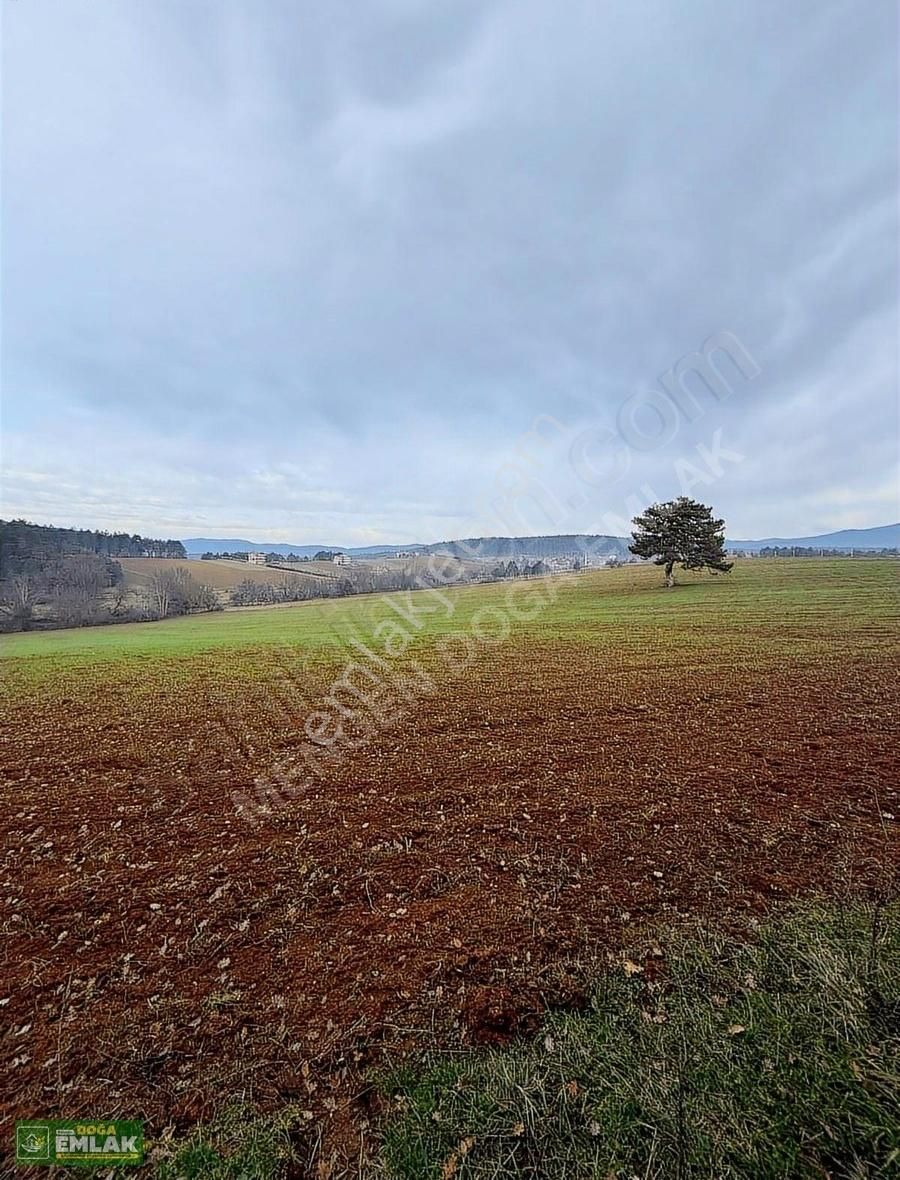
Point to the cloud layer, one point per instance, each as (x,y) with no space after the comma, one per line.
(310,272)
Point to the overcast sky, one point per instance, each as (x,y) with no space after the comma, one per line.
(308,270)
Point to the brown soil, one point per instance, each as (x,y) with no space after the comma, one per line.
(163,956)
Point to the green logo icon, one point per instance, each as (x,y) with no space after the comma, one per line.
(94,1143)
(33,1143)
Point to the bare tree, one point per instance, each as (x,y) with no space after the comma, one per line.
(77,584)
(205,597)
(119,605)
(174,592)
(17,600)
(169,592)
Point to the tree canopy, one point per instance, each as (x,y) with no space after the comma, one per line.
(680,532)
(27,548)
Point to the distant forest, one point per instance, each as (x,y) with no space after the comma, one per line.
(25,547)
(53,577)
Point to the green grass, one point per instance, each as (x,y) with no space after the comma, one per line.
(778,1058)
(240,1144)
(761,602)
(772,1057)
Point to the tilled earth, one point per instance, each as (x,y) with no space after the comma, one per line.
(449,877)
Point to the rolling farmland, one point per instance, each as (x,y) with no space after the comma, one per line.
(510,804)
(221,575)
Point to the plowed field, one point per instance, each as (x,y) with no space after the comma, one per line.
(606,753)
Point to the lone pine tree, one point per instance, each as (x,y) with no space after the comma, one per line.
(680,532)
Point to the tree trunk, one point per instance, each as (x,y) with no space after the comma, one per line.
(670,576)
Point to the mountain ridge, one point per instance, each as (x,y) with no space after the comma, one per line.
(884,536)
(548,545)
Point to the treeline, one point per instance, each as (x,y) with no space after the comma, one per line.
(815,551)
(27,548)
(64,591)
(85,590)
(366,579)
(520,569)
(272,558)
(363,579)
(53,577)
(297,589)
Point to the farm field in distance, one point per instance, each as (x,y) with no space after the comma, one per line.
(223,576)
(450,875)
(219,574)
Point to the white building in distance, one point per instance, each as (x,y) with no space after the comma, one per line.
(256,559)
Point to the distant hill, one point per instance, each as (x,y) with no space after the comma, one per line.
(488,548)
(197,545)
(885,536)
(510,548)
(27,547)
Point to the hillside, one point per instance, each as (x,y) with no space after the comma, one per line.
(221,575)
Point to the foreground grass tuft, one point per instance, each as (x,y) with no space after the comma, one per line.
(240,1144)
(705,1058)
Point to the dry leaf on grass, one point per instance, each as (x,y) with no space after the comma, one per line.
(451,1163)
(654,1017)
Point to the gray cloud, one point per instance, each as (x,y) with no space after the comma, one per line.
(308,272)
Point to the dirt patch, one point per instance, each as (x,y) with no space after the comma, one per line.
(494,1015)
